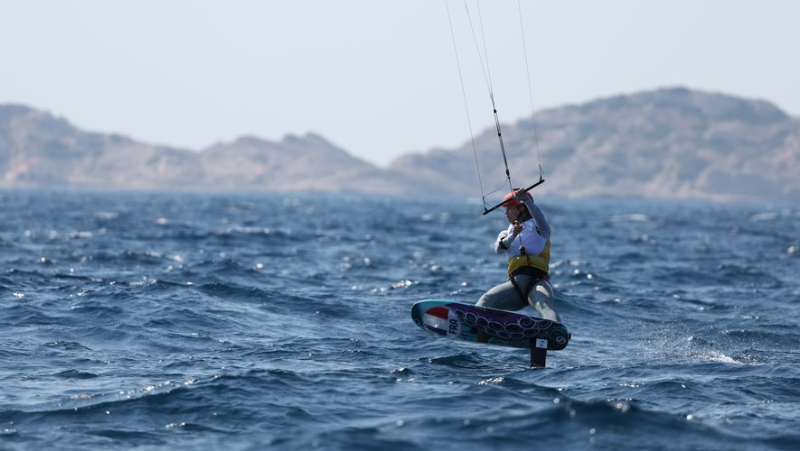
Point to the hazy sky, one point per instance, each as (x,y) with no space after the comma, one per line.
(378,78)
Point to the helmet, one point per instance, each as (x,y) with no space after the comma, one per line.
(510,201)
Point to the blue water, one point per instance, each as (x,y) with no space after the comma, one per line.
(245,321)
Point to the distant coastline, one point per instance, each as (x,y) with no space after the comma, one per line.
(671,143)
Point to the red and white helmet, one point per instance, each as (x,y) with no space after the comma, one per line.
(510,201)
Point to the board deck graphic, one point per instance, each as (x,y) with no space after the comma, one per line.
(468,322)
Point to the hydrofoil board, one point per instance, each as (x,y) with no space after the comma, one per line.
(467,322)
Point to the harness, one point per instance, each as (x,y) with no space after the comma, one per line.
(534,275)
(540,262)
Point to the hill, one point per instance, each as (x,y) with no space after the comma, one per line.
(671,143)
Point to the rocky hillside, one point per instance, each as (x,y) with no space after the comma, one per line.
(39,150)
(670,143)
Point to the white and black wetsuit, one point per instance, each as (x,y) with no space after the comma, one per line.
(528,256)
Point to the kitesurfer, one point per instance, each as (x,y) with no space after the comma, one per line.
(526,245)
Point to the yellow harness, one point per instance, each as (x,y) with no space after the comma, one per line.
(540,261)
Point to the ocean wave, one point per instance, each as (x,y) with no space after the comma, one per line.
(226,321)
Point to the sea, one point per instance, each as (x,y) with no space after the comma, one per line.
(282,321)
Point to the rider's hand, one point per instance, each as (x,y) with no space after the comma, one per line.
(521,195)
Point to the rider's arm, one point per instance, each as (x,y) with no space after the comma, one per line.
(542,226)
(503,242)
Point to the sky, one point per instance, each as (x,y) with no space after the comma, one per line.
(378,78)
